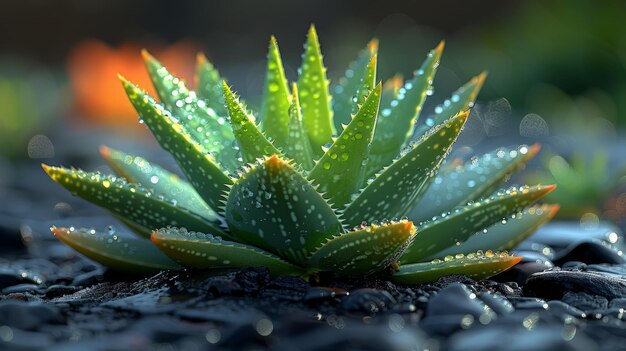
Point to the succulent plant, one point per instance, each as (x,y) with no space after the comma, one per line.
(318,184)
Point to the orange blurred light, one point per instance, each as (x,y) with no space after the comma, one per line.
(98,96)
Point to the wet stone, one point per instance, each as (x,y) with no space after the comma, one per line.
(367,301)
(60,290)
(456,299)
(517,338)
(22,340)
(89,278)
(27,315)
(453,308)
(24,288)
(584,301)
(528,303)
(324,294)
(554,284)
(13,276)
(616,269)
(618,303)
(561,309)
(590,253)
(496,302)
(563,234)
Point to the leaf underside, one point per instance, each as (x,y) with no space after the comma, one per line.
(199,250)
(275,208)
(477,178)
(476,266)
(507,234)
(394,191)
(462,222)
(145,209)
(125,254)
(364,250)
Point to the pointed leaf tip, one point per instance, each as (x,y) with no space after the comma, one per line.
(201,58)
(147,57)
(440,47)
(104,151)
(372,46)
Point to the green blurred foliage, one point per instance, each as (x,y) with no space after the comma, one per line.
(546,50)
(30,99)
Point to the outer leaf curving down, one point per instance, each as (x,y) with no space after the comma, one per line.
(458,225)
(144,209)
(199,250)
(125,254)
(475,265)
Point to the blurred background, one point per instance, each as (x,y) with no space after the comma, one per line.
(557,75)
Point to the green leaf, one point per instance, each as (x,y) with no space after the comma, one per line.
(475,265)
(298,146)
(349,85)
(200,250)
(365,250)
(458,225)
(195,161)
(275,107)
(394,191)
(461,100)
(146,209)
(137,170)
(339,172)
(204,126)
(129,255)
(390,89)
(209,85)
(506,234)
(473,180)
(396,121)
(367,85)
(314,98)
(251,140)
(275,208)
